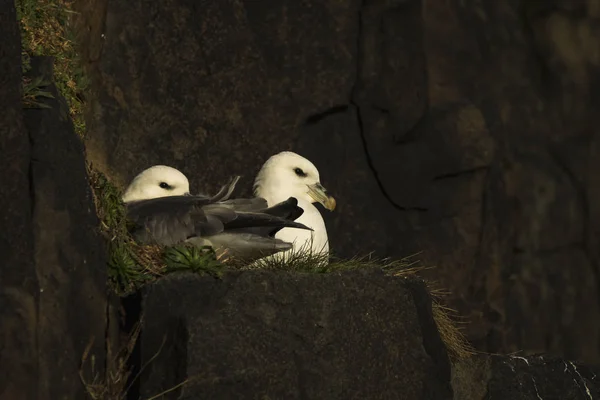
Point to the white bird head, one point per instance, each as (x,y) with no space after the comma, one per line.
(157,181)
(288,174)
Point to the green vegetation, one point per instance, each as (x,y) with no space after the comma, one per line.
(46,31)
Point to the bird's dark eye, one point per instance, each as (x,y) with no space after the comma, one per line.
(299,172)
(165,185)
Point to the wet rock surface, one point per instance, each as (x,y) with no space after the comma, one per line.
(464,131)
(295,336)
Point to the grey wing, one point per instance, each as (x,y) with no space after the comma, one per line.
(287,209)
(211,219)
(163,229)
(270,220)
(244,247)
(261,223)
(170,220)
(253,204)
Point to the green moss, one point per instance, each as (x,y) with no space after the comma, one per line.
(46,31)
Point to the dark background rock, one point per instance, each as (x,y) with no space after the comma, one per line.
(283,335)
(70,256)
(468,128)
(19,288)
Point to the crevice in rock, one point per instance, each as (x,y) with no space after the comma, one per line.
(32,160)
(469,171)
(483,219)
(382,110)
(315,118)
(132,309)
(581,194)
(411,134)
(181,366)
(374,170)
(170,349)
(546,83)
(107,338)
(432,342)
(353,102)
(31,184)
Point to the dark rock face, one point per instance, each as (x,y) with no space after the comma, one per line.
(523,378)
(19,288)
(292,336)
(285,335)
(52,276)
(70,257)
(468,128)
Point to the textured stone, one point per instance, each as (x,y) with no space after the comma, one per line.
(19,289)
(203,95)
(295,336)
(69,253)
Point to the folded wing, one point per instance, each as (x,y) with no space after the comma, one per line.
(244,227)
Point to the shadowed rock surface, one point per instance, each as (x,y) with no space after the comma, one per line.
(349,335)
(53,272)
(283,335)
(69,254)
(468,128)
(19,288)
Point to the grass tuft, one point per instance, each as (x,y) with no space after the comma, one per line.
(33,89)
(108,382)
(46,30)
(302,260)
(446,320)
(189,258)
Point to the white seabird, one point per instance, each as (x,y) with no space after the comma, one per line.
(163,212)
(288,174)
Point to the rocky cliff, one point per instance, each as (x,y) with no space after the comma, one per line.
(464,130)
(468,128)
